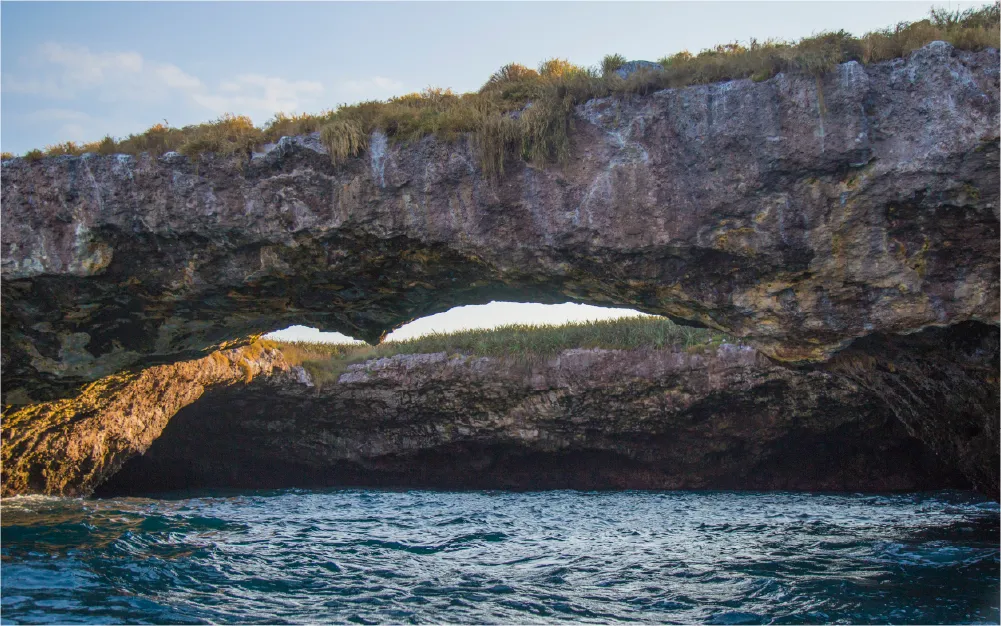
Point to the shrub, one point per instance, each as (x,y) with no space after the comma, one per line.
(230,134)
(612,62)
(60,149)
(104,146)
(6,155)
(558,68)
(156,140)
(283,125)
(511,75)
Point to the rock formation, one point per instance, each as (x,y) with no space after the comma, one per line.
(587,419)
(803,214)
(67,447)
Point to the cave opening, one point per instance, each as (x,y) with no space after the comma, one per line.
(637,421)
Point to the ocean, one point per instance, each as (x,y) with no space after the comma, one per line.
(373,556)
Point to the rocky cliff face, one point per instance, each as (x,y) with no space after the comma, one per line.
(588,419)
(68,447)
(801,213)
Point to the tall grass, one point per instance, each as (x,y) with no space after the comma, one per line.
(521,113)
(517,341)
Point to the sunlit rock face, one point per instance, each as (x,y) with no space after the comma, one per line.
(67,447)
(713,418)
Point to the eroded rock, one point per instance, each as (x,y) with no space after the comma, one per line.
(803,214)
(800,213)
(68,447)
(588,419)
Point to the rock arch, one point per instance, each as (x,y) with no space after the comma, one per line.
(743,206)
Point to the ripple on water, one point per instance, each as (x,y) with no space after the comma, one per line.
(384,556)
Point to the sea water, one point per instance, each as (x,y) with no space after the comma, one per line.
(364,556)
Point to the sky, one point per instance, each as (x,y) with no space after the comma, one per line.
(76,71)
(473,316)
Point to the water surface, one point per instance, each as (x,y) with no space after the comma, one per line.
(380,556)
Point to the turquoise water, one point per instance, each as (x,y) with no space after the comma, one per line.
(493,557)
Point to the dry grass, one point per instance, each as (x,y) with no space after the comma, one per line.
(326,362)
(611,62)
(527,114)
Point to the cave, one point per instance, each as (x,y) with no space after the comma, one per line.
(731,422)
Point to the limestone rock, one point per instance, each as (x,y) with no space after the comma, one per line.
(808,215)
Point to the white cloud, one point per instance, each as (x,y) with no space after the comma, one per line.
(69,72)
(175,77)
(75,132)
(255,92)
(121,80)
(377,87)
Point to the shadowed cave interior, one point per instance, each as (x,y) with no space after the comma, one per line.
(256,436)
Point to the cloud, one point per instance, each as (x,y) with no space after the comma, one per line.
(257,92)
(71,72)
(71,125)
(376,87)
(124,84)
(174,77)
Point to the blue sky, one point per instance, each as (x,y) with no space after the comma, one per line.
(75,71)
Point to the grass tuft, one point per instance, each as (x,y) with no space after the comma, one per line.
(528,114)
(611,62)
(230,134)
(344,138)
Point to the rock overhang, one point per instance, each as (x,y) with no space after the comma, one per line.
(800,213)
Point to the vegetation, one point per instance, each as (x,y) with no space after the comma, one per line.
(611,62)
(327,361)
(527,114)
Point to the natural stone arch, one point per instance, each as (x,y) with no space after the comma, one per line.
(744,206)
(799,213)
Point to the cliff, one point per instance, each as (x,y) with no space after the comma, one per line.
(806,215)
(67,447)
(709,418)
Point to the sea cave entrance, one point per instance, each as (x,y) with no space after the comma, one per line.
(677,408)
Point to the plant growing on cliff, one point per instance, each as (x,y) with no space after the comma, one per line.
(611,62)
(230,134)
(344,138)
(528,114)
